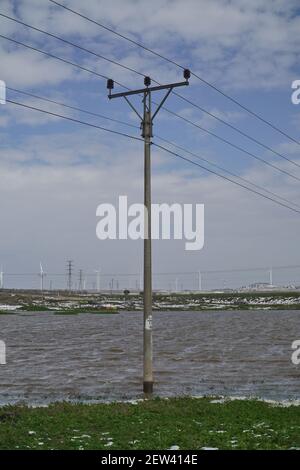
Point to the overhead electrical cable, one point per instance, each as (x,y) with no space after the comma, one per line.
(251,154)
(158,146)
(171,61)
(159,137)
(178,95)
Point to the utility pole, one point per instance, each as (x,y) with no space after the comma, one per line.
(146,126)
(69,274)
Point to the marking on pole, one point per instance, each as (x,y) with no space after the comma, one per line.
(148,323)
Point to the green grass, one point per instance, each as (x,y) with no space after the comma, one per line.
(67,311)
(84,310)
(154,424)
(34,308)
(8,312)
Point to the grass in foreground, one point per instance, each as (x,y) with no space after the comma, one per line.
(76,311)
(156,424)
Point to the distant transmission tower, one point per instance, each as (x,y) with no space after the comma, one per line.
(69,274)
(80,285)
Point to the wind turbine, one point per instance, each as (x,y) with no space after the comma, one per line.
(42,274)
(1,278)
(271,276)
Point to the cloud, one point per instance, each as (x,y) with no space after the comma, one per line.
(49,205)
(239,44)
(54,174)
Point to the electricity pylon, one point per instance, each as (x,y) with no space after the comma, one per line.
(147,126)
(69,274)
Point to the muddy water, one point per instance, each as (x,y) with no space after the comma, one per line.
(52,357)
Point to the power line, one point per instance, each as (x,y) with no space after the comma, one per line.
(178,95)
(253,113)
(224,177)
(59,103)
(157,145)
(166,109)
(53,56)
(74,120)
(116,33)
(161,56)
(226,171)
(236,129)
(159,137)
(231,144)
(183,273)
(66,41)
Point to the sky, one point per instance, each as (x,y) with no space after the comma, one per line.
(55,173)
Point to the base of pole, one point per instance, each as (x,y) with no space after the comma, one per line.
(148,387)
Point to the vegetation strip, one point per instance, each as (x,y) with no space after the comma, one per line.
(184,423)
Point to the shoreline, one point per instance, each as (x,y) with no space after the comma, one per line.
(12,302)
(213,399)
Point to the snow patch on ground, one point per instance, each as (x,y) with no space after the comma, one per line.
(9,308)
(283,403)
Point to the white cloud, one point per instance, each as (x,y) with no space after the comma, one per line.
(48,210)
(52,182)
(238,44)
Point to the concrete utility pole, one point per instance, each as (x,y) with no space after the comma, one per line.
(146,126)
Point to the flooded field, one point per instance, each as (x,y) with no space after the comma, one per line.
(87,356)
